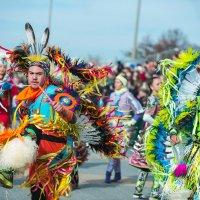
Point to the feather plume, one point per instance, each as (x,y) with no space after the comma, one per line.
(45,39)
(30,36)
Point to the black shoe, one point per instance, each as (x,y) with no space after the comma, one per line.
(37,194)
(6,179)
(108,175)
(117,177)
(75,180)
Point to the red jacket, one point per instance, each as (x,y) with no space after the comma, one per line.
(6,101)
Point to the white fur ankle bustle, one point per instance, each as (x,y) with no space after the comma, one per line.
(18,153)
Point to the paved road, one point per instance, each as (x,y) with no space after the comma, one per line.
(92,186)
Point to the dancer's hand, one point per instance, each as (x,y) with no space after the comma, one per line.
(66,114)
(57,106)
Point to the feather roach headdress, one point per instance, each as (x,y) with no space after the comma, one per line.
(31,53)
(175,165)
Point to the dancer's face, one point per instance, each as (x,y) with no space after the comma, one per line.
(118,84)
(155,86)
(36,77)
(2,71)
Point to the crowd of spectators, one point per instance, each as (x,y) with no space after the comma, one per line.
(138,77)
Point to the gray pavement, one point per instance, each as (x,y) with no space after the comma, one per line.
(92,186)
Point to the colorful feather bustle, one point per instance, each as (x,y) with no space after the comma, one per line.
(109,138)
(179,116)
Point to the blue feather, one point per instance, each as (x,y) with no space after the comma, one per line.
(6,86)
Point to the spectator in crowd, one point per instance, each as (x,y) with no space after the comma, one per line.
(138,159)
(122,102)
(8,91)
(150,67)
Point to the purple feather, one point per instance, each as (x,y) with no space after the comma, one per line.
(181,170)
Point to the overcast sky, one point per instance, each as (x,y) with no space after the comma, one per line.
(102,28)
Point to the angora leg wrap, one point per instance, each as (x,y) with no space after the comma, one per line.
(18,153)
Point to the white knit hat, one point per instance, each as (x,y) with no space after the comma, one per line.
(122,79)
(3,59)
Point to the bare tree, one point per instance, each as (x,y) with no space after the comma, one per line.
(170,40)
(170,43)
